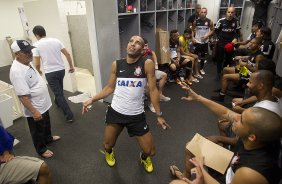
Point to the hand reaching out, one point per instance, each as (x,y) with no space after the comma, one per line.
(191,95)
(86,106)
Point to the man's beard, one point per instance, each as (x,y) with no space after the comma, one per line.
(252,92)
(133,56)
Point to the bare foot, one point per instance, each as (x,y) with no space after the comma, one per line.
(47,154)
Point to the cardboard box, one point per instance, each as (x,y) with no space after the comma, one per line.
(162,46)
(215,156)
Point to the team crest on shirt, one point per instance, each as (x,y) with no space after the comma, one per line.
(206,23)
(25,43)
(235,160)
(138,71)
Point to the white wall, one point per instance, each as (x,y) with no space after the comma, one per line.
(9,17)
(50,14)
(5,56)
(10,26)
(75,7)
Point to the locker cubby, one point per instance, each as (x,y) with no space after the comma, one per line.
(181,4)
(147,5)
(238,4)
(121,4)
(181,21)
(172,4)
(161,20)
(149,16)
(128,26)
(172,20)
(148,28)
(134,4)
(188,3)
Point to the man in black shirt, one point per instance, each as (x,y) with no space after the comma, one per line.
(261,7)
(240,73)
(257,150)
(268,47)
(194,16)
(227,31)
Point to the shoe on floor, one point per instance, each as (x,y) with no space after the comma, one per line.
(171,80)
(202,72)
(151,107)
(199,76)
(70,120)
(164,98)
(148,165)
(178,81)
(219,98)
(188,82)
(195,80)
(110,158)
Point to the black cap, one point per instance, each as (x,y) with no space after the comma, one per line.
(21,45)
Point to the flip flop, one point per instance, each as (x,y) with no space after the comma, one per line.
(55,138)
(47,154)
(195,80)
(174,171)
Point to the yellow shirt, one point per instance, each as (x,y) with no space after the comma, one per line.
(184,43)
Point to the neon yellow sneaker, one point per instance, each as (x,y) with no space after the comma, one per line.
(148,165)
(109,157)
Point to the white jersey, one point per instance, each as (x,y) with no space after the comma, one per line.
(49,49)
(27,81)
(202,28)
(130,87)
(275,107)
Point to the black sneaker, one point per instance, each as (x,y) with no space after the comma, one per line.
(70,120)
(219,98)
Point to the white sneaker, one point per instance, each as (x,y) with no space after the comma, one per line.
(199,76)
(164,98)
(151,107)
(202,72)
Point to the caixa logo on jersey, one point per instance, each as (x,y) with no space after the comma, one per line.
(129,83)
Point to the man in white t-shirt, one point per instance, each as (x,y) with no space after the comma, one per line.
(49,51)
(33,93)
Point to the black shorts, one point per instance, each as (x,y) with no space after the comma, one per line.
(202,48)
(243,79)
(136,124)
(189,64)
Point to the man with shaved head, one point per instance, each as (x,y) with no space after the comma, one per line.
(128,81)
(257,150)
(227,31)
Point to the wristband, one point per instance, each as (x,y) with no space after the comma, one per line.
(159,114)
